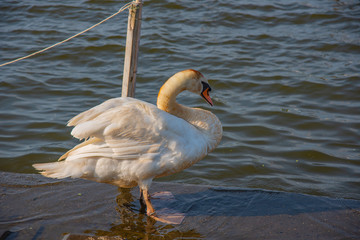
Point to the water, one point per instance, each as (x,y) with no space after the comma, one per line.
(285,78)
(53,208)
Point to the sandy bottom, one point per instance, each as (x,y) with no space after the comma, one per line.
(34,207)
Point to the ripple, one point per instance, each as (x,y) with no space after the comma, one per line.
(285,79)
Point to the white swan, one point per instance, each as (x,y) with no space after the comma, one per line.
(129,142)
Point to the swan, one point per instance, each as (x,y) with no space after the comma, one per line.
(129,142)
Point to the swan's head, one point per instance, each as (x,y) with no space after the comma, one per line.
(190,80)
(195,82)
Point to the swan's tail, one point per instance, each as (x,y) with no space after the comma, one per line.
(52,170)
(82,165)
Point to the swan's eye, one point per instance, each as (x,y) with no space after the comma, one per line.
(205,86)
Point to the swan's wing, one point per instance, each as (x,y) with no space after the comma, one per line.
(128,143)
(120,118)
(142,127)
(120,128)
(99,109)
(132,120)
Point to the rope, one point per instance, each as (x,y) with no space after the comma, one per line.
(68,39)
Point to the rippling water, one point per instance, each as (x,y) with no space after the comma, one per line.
(285,74)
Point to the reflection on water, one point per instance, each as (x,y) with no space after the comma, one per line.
(135,224)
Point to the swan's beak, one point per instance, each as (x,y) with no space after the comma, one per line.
(206,96)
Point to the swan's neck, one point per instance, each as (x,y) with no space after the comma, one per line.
(167,97)
(204,120)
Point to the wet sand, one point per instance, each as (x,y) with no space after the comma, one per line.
(35,207)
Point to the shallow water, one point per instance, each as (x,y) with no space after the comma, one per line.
(69,209)
(285,78)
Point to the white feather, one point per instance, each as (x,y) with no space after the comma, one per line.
(130,142)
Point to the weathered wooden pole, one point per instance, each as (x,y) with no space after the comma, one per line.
(132,49)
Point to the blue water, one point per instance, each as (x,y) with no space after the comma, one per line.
(285,78)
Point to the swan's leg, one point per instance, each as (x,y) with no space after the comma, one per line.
(149,208)
(175,219)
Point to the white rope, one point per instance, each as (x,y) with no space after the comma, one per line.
(68,39)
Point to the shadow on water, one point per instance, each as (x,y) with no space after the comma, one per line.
(34,207)
(245,203)
(201,204)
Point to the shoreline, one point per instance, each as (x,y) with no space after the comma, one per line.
(35,207)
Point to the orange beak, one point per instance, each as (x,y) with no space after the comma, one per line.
(206,96)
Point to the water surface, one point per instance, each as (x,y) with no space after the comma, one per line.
(285,78)
(69,209)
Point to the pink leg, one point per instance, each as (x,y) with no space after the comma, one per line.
(150,211)
(149,208)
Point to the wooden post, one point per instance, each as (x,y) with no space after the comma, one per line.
(132,49)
